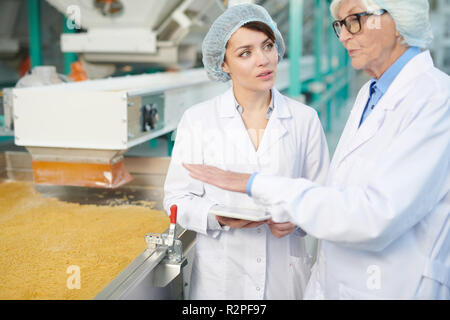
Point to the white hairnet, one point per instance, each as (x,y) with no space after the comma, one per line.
(411,18)
(222,29)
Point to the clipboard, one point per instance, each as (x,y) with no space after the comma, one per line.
(239,213)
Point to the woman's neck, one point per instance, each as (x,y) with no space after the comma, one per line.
(252,101)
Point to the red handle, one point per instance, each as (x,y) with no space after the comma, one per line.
(173,214)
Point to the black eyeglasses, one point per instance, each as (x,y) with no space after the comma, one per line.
(353,22)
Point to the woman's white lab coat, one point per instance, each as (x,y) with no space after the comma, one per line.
(244,263)
(384,214)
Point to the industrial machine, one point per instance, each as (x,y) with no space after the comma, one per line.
(162,270)
(167,33)
(77,133)
(157,272)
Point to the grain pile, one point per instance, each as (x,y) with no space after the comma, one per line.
(41,238)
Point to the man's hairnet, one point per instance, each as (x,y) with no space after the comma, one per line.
(411,18)
(222,29)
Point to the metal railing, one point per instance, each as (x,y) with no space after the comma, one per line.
(328,89)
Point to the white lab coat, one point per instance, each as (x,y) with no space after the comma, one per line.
(384,214)
(244,263)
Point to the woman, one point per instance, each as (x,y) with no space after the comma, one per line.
(384,215)
(251,127)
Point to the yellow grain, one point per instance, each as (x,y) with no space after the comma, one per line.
(41,237)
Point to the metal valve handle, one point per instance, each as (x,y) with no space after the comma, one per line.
(173,214)
(168,240)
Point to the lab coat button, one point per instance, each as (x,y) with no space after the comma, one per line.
(257,289)
(258,260)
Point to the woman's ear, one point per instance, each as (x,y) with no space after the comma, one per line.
(225,67)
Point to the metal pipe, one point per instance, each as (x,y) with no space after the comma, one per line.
(295,45)
(170,142)
(331,69)
(318,49)
(34,18)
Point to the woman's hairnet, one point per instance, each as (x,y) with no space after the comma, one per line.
(222,29)
(411,18)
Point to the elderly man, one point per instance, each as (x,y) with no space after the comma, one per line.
(383,215)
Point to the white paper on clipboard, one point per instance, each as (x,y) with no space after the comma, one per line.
(239,213)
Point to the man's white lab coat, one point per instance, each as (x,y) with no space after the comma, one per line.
(384,214)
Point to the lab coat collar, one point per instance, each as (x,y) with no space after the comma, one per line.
(413,69)
(276,128)
(391,73)
(236,131)
(357,137)
(227,106)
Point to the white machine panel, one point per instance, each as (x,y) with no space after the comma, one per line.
(137,40)
(70,118)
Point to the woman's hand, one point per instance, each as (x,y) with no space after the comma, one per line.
(238,223)
(227,180)
(280,230)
